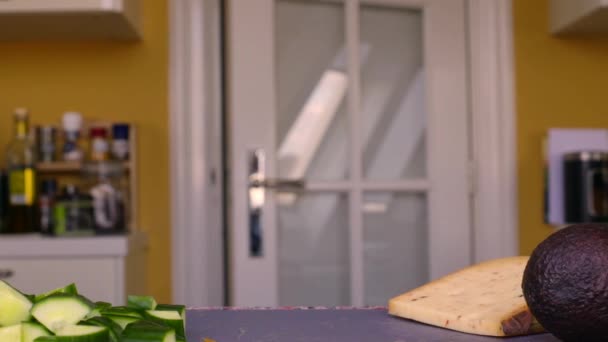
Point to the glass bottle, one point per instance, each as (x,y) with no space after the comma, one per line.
(20,164)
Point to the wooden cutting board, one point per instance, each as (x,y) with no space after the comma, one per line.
(484,299)
(321,324)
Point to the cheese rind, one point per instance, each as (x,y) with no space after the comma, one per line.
(483,299)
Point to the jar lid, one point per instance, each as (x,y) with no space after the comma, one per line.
(120,131)
(21,113)
(72,121)
(100,132)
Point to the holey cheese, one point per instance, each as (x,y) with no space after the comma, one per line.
(483,299)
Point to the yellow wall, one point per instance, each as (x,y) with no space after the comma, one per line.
(559,83)
(107,80)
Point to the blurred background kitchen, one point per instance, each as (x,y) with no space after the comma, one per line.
(292,152)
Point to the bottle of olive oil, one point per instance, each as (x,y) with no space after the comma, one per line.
(20,164)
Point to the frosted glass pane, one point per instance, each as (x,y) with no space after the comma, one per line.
(395,244)
(314,250)
(311,125)
(393,100)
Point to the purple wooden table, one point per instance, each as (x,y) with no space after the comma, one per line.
(321,324)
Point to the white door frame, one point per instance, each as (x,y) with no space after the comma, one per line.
(195,152)
(496,223)
(194,85)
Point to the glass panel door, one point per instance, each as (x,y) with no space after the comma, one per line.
(393,140)
(345,189)
(311,131)
(395,248)
(311,59)
(314,266)
(393,113)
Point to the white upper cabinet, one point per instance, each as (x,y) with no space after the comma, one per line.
(579,17)
(70,19)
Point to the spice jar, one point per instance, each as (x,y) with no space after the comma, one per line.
(120,141)
(99,144)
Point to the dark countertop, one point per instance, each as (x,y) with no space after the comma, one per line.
(321,324)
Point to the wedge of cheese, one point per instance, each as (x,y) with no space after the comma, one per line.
(483,299)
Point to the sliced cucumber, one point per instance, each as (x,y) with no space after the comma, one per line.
(83,333)
(63,315)
(113,327)
(99,306)
(68,289)
(141,302)
(102,305)
(172,307)
(123,321)
(14,305)
(60,310)
(144,331)
(46,339)
(30,331)
(170,318)
(11,333)
(121,311)
(122,315)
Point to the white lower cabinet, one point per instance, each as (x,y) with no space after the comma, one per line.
(103,268)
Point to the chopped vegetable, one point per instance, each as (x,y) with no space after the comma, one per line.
(64,315)
(122,321)
(69,289)
(113,327)
(144,331)
(141,302)
(170,318)
(121,311)
(172,307)
(59,310)
(14,305)
(83,333)
(11,333)
(30,331)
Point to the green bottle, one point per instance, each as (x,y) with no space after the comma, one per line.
(20,165)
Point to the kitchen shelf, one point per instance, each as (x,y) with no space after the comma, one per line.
(574,17)
(71,170)
(70,19)
(67,166)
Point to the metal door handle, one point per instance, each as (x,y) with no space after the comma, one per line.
(256,196)
(278,184)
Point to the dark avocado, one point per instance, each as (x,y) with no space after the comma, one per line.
(565,283)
